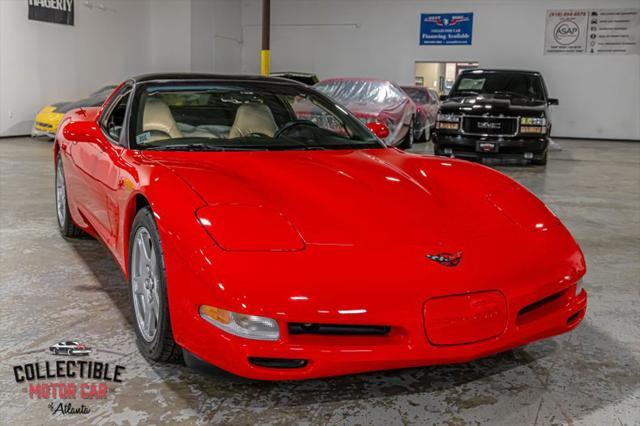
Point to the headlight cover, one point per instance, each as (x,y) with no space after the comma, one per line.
(236,227)
(449,118)
(248,326)
(533,121)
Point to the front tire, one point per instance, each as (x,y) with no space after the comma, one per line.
(65,224)
(542,161)
(148,291)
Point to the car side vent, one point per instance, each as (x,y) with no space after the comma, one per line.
(541,308)
(539,304)
(338,329)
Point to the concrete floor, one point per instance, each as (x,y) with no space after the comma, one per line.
(52,289)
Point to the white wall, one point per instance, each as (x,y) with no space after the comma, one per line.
(42,63)
(216,36)
(170,35)
(599,96)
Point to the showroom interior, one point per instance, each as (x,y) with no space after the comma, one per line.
(72,294)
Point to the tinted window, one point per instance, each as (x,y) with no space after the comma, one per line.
(501,83)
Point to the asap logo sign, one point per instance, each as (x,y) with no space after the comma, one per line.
(566,32)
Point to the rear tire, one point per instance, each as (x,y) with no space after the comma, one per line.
(66,226)
(407,141)
(148,291)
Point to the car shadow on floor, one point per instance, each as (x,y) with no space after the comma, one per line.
(106,271)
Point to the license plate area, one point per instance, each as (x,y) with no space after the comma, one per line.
(466,318)
(483,146)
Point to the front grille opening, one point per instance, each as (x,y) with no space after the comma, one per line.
(338,329)
(540,308)
(278,362)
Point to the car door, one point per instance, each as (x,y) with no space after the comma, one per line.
(110,147)
(96,158)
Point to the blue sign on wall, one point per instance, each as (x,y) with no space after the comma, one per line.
(446,28)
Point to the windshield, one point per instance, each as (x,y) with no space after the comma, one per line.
(243,116)
(496,82)
(348,92)
(419,96)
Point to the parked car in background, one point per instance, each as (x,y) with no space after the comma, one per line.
(48,118)
(301,77)
(375,101)
(426,110)
(495,114)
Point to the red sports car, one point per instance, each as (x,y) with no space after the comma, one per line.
(269,245)
(376,101)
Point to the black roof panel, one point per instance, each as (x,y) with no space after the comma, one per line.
(201,76)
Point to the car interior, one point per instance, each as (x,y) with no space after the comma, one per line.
(167,116)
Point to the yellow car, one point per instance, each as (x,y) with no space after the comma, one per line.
(47,120)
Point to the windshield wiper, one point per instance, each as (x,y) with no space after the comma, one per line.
(463,92)
(193,147)
(510,93)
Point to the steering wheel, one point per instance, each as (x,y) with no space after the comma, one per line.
(294,123)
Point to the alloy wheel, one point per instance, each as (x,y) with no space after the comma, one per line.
(145,282)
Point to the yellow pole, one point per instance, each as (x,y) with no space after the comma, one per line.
(265,62)
(265,53)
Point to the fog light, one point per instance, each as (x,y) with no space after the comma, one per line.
(247,326)
(528,155)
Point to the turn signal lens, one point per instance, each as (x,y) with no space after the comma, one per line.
(242,325)
(532,129)
(216,314)
(449,126)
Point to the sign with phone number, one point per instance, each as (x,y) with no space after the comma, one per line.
(593,32)
(446,29)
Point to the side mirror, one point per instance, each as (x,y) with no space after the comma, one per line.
(80,131)
(552,101)
(379,129)
(443,97)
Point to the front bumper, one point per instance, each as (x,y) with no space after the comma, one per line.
(340,355)
(470,147)
(540,302)
(46,123)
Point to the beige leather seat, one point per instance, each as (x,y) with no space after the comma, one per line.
(253,118)
(159,121)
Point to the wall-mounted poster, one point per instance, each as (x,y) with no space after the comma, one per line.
(593,32)
(446,28)
(56,11)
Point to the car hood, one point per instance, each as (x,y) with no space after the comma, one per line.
(493,104)
(349,197)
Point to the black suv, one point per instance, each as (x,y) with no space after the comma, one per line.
(495,114)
